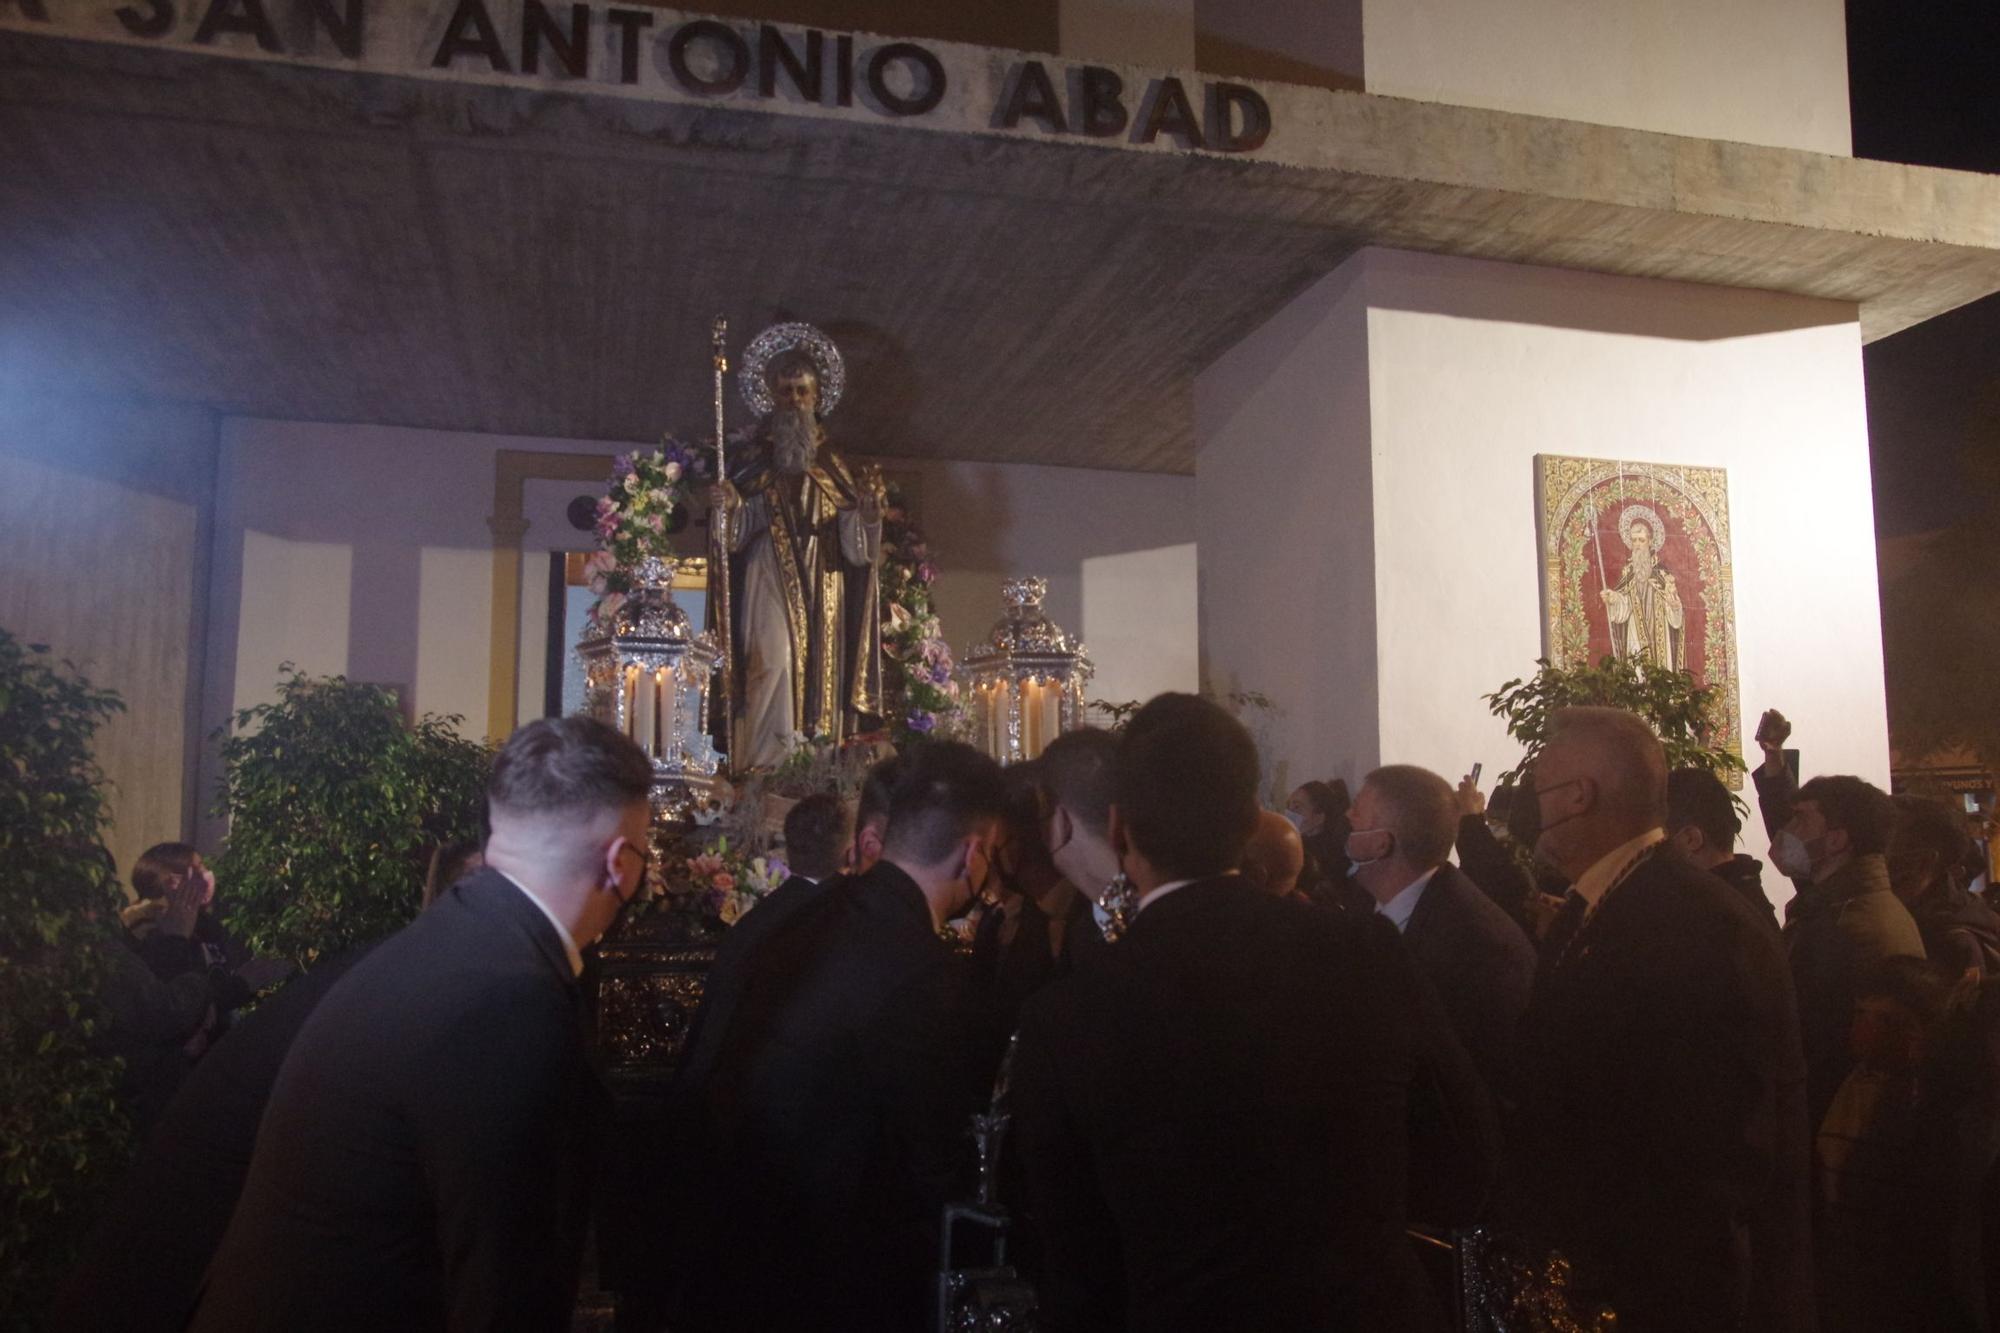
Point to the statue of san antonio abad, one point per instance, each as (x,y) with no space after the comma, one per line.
(803,536)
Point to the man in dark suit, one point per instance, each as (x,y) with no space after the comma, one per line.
(1662,1140)
(828,1128)
(1404,822)
(1038,925)
(424,1157)
(1212,1115)
(142,1269)
(1702,824)
(1073,778)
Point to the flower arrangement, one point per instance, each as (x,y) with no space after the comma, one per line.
(635,518)
(921,694)
(722,883)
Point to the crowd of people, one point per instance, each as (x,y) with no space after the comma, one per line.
(1257,1065)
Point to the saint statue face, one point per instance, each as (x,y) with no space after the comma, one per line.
(793,426)
(796,390)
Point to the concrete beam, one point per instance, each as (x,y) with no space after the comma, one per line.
(292,236)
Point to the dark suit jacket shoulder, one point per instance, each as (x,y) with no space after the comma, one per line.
(1213,1121)
(1663,1138)
(143,1266)
(1482,966)
(424,1155)
(827,1127)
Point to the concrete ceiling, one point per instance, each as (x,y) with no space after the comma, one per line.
(296,243)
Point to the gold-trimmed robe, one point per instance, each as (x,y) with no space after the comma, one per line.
(805,597)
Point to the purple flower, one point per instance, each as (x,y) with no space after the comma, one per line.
(927,572)
(921,721)
(621,466)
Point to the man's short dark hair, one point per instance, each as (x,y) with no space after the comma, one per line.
(816,835)
(1927,824)
(1186,786)
(1860,808)
(944,792)
(160,865)
(876,789)
(1076,773)
(568,764)
(1330,799)
(1697,797)
(1422,811)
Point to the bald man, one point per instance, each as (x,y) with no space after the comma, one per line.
(1662,1141)
(1275,856)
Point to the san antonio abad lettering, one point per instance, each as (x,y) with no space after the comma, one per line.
(709,58)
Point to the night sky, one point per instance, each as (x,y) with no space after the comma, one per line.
(1925,88)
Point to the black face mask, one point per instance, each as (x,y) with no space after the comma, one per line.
(1535,803)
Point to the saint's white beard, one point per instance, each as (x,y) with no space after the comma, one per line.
(794,439)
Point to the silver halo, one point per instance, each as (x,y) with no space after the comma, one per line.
(780,338)
(1638,513)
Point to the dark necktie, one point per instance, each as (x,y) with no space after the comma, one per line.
(1562,931)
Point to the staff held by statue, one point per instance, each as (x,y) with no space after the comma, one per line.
(721,513)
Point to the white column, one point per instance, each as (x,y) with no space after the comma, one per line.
(1366,498)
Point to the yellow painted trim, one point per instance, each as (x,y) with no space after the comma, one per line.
(512,470)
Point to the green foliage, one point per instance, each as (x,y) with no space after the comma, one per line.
(334,806)
(919,695)
(1680,711)
(62,1132)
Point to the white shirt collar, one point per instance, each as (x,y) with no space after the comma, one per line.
(1403,906)
(1154,894)
(1595,882)
(570,950)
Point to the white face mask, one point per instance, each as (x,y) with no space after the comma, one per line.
(1789,854)
(1356,862)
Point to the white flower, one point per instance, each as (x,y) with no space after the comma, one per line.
(632,484)
(673,472)
(661,498)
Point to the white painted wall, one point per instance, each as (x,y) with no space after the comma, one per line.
(1116,548)
(1286,530)
(1471,369)
(1765,72)
(365,550)
(104,506)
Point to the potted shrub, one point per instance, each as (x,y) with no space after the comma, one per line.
(62,1133)
(335,804)
(1680,710)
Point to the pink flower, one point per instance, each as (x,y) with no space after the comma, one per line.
(723,880)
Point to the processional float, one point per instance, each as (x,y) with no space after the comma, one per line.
(650,674)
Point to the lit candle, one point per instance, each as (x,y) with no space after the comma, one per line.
(643,719)
(670,712)
(663,721)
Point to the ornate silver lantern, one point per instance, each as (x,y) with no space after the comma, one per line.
(647,673)
(1027,678)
